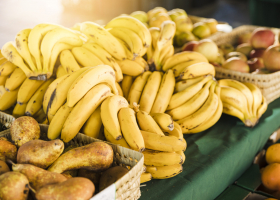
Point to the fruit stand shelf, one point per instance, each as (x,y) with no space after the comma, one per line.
(216,158)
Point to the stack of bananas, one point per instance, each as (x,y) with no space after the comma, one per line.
(242,100)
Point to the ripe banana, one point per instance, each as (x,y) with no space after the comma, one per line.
(58,121)
(120,92)
(141,61)
(88,79)
(145,177)
(126,85)
(122,142)
(137,88)
(183,57)
(154,31)
(159,158)
(15,79)
(128,53)
(231,110)
(134,25)
(60,71)
(165,172)
(165,53)
(103,38)
(19,110)
(3,80)
(109,114)
(262,108)
(130,129)
(27,89)
(164,121)
(177,131)
(257,97)
(165,92)
(182,154)
(192,105)
(207,109)
(7,68)
(181,85)
(167,32)
(68,61)
(7,99)
(82,111)
(150,91)
(93,125)
(36,101)
(198,69)
(130,67)
(163,143)
(186,94)
(180,67)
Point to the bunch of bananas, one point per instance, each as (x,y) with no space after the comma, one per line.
(242,100)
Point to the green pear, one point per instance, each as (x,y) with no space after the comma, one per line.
(183,24)
(40,153)
(226,48)
(184,37)
(8,151)
(140,15)
(201,30)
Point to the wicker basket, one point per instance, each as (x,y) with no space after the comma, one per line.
(268,83)
(128,187)
(6,119)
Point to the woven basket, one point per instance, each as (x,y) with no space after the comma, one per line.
(268,83)
(128,187)
(6,119)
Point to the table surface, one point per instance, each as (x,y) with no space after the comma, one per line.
(216,158)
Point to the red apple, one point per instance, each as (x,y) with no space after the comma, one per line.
(207,48)
(189,46)
(239,55)
(244,48)
(255,63)
(236,64)
(271,58)
(257,53)
(244,38)
(262,38)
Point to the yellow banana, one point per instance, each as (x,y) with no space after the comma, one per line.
(109,114)
(40,116)
(82,111)
(177,131)
(180,67)
(262,108)
(164,121)
(7,68)
(160,158)
(165,53)
(231,110)
(3,80)
(7,99)
(163,143)
(88,79)
(93,125)
(155,32)
(130,67)
(182,154)
(165,172)
(165,92)
(58,121)
(142,62)
(181,85)
(128,53)
(122,142)
(19,110)
(198,69)
(186,94)
(126,85)
(120,92)
(257,97)
(68,61)
(15,79)
(145,177)
(150,91)
(60,71)
(130,129)
(27,90)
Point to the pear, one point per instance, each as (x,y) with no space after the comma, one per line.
(93,176)
(40,153)
(73,188)
(13,186)
(3,167)
(8,151)
(70,173)
(38,177)
(201,30)
(96,156)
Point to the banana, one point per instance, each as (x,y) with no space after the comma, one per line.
(180,67)
(198,69)
(82,111)
(150,91)
(7,68)
(177,131)
(122,142)
(93,125)
(207,109)
(68,61)
(2,59)
(130,129)
(120,92)
(145,177)
(103,38)
(142,62)
(40,116)
(60,71)
(231,110)
(165,172)
(19,110)
(186,94)
(45,122)
(130,67)
(128,53)
(12,55)
(85,58)
(133,24)
(163,143)
(88,79)
(183,57)
(15,80)
(58,121)
(137,88)
(3,80)
(192,105)
(155,32)
(181,85)
(27,89)
(165,92)
(126,85)
(167,32)
(262,108)
(7,99)
(182,154)
(34,41)
(257,97)
(218,90)
(164,121)
(36,101)
(165,53)
(109,114)
(159,158)
(106,58)
(21,42)
(130,38)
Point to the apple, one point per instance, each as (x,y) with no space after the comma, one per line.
(208,48)
(244,38)
(255,63)
(262,38)
(184,37)
(201,30)
(257,53)
(244,48)
(212,24)
(189,46)
(177,12)
(239,55)
(226,48)
(271,58)
(236,64)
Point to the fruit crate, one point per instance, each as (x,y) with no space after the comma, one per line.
(126,188)
(268,83)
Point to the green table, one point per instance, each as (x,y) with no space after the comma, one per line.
(216,158)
